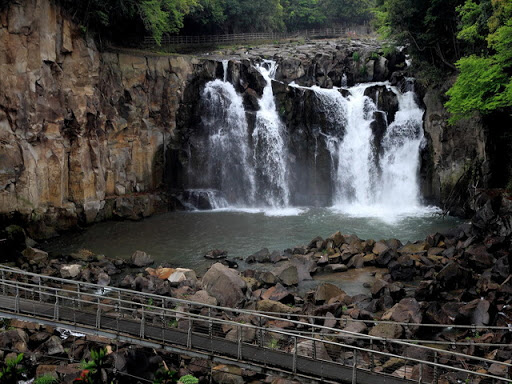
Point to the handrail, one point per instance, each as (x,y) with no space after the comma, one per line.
(187,315)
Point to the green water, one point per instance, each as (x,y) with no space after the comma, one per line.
(182,238)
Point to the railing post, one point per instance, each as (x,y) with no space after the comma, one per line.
(239,332)
(98,314)
(189,332)
(79,296)
(372,356)
(210,323)
(17,300)
(354,368)
(261,333)
(56,307)
(420,379)
(163,321)
(295,354)
(436,373)
(40,291)
(142,324)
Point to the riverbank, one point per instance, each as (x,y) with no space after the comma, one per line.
(459,277)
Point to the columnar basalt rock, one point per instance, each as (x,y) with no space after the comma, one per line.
(82,132)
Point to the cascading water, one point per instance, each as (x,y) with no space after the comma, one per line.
(229,163)
(269,146)
(366,182)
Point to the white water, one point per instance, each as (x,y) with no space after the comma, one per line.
(270,153)
(229,161)
(360,189)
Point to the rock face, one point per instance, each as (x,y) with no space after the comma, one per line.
(471,152)
(82,133)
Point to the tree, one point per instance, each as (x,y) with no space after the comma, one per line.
(302,14)
(484,83)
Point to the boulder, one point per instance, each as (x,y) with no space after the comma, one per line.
(326,292)
(336,268)
(53,346)
(278,293)
(288,274)
(268,278)
(274,306)
(306,348)
(262,256)
(35,256)
(141,259)
(161,273)
(387,331)
(203,297)
(70,271)
(216,254)
(225,285)
(406,311)
(227,374)
(182,274)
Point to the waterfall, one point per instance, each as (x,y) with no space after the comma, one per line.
(270,153)
(369,181)
(229,162)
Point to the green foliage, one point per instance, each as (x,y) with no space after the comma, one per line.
(302,14)
(46,379)
(94,369)
(484,83)
(356,57)
(189,379)
(165,376)
(12,371)
(273,344)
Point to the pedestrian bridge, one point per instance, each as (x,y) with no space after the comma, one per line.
(284,344)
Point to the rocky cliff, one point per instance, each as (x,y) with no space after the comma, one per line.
(82,132)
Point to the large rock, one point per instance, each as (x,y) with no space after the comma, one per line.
(274,306)
(288,274)
(141,259)
(225,285)
(309,348)
(70,271)
(326,292)
(387,331)
(35,256)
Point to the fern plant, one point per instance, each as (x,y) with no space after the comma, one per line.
(12,371)
(46,379)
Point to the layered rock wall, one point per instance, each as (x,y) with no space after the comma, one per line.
(82,132)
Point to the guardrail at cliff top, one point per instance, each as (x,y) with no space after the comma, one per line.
(338,31)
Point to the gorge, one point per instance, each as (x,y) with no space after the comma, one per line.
(90,135)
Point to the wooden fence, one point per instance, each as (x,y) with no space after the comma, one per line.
(339,31)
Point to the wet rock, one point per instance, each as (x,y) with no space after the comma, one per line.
(336,268)
(380,247)
(268,278)
(356,262)
(288,274)
(225,285)
(355,327)
(141,259)
(326,292)
(278,293)
(276,257)
(402,269)
(216,254)
(262,256)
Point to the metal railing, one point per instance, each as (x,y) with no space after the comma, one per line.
(337,31)
(297,346)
